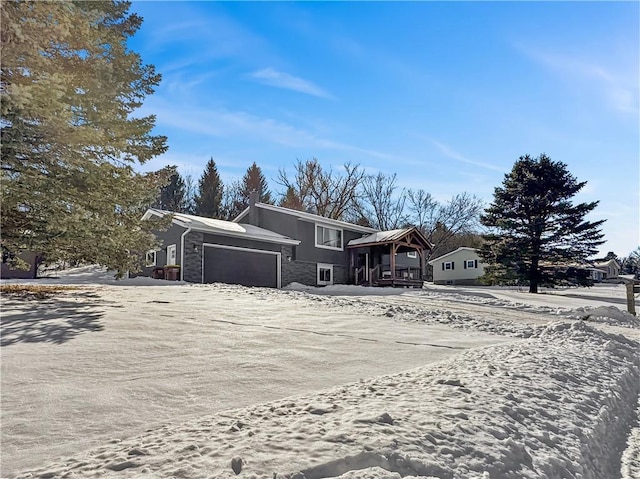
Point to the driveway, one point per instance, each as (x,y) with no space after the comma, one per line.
(107,362)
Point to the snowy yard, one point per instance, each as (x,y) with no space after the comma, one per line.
(149,378)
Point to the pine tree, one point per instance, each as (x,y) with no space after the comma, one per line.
(70,90)
(535,226)
(237,195)
(291,200)
(208,201)
(173,195)
(254,180)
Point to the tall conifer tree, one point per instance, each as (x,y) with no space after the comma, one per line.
(173,196)
(208,201)
(535,228)
(70,88)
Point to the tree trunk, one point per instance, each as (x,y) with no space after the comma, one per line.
(533,275)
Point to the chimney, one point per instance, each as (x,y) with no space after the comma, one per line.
(253,212)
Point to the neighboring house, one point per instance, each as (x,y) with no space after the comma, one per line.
(606,270)
(461,266)
(29,257)
(268,245)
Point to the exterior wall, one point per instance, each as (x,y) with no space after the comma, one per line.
(192,258)
(30,258)
(304,258)
(458,275)
(173,235)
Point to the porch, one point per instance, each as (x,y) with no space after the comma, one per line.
(393,258)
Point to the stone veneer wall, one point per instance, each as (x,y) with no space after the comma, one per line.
(192,260)
(306,272)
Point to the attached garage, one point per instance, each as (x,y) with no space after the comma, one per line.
(245,266)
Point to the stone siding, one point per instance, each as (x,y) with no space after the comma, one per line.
(306,272)
(192,259)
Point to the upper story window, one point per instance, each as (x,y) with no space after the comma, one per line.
(412,254)
(327,237)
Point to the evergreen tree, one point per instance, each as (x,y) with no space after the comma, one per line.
(236,198)
(173,196)
(535,226)
(208,201)
(291,200)
(70,90)
(254,180)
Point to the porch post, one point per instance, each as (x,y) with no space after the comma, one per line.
(393,261)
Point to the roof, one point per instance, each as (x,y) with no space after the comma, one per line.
(600,264)
(390,236)
(450,253)
(303,215)
(222,227)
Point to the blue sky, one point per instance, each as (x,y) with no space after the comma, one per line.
(446,95)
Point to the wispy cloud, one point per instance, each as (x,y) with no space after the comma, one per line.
(251,128)
(454,155)
(275,78)
(620,88)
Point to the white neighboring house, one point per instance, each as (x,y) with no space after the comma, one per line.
(606,270)
(462,266)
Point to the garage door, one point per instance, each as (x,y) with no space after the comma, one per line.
(249,267)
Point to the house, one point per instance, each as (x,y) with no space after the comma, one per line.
(210,250)
(461,266)
(606,270)
(272,246)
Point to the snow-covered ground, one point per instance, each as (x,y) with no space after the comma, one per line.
(149,378)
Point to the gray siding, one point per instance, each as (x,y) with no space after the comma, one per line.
(173,235)
(304,231)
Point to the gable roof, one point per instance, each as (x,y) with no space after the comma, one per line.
(453,252)
(390,236)
(222,227)
(600,264)
(303,215)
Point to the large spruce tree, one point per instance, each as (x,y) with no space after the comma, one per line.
(208,201)
(173,196)
(535,227)
(70,137)
(254,180)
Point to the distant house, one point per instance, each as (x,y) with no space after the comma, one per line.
(606,270)
(272,246)
(461,266)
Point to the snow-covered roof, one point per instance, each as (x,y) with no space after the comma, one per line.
(309,217)
(222,227)
(380,237)
(462,248)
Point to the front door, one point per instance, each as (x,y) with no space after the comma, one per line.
(171,255)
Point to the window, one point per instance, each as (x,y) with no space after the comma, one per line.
(412,254)
(150,258)
(448,265)
(330,238)
(324,274)
(470,264)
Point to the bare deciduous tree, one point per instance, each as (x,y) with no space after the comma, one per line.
(323,191)
(381,204)
(441,223)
